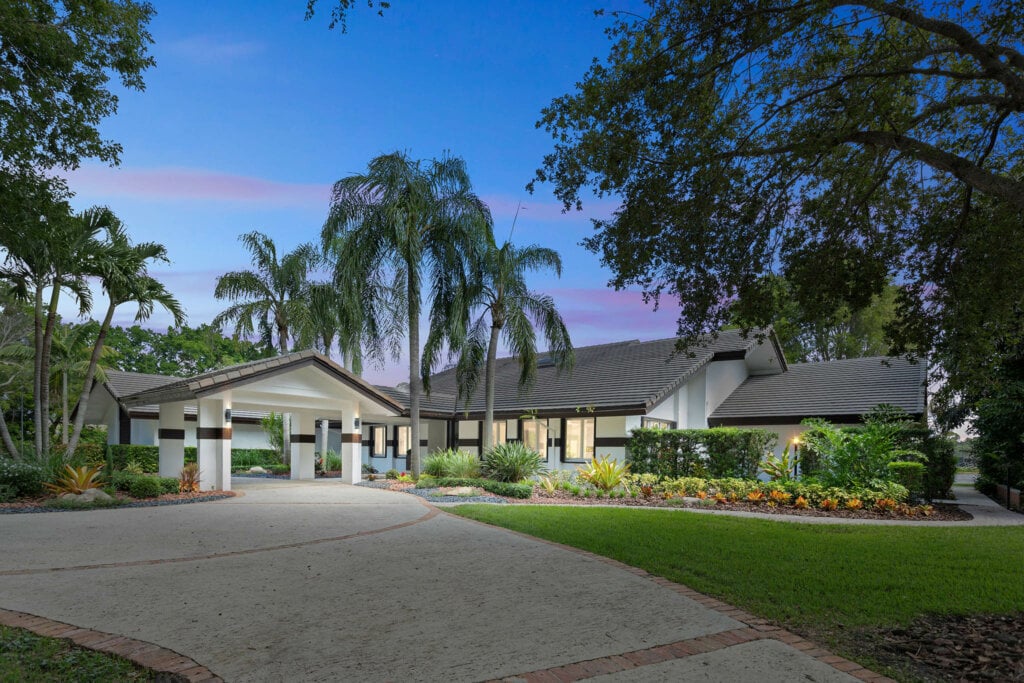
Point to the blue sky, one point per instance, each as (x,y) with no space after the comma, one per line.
(251,113)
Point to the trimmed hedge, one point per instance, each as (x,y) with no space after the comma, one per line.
(147,456)
(715,452)
(143,485)
(21,478)
(89,454)
(498,488)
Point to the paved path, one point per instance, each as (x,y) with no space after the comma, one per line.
(318,581)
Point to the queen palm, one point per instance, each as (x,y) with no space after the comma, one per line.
(401,223)
(508,311)
(268,298)
(122,269)
(327,316)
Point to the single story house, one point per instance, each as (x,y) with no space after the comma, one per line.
(567,417)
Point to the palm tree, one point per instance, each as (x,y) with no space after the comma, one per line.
(69,361)
(391,228)
(325,316)
(270,295)
(122,268)
(508,311)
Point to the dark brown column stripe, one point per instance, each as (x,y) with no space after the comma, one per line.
(172,434)
(609,441)
(213,433)
(303,438)
(353,438)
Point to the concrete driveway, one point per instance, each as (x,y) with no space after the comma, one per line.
(319,581)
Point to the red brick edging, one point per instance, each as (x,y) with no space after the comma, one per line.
(754,628)
(144,654)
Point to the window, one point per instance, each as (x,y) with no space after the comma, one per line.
(535,436)
(402,436)
(579,439)
(656,423)
(499,432)
(379,449)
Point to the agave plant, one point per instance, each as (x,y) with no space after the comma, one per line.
(603,473)
(77,480)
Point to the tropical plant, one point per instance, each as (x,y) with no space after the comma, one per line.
(76,480)
(389,230)
(332,462)
(604,473)
(273,426)
(188,478)
(452,463)
(323,316)
(847,458)
(512,462)
(69,361)
(15,328)
(506,310)
(781,468)
(133,466)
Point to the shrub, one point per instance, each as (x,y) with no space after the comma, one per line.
(780,468)
(391,474)
(122,480)
(76,480)
(603,473)
(254,457)
(133,466)
(684,486)
(191,454)
(452,463)
(716,452)
(91,454)
(147,456)
(332,462)
(23,478)
(279,468)
(499,488)
(144,487)
(909,474)
(169,484)
(512,462)
(854,456)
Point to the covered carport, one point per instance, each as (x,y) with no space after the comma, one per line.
(305,385)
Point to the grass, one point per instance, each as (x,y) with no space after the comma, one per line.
(817,578)
(26,657)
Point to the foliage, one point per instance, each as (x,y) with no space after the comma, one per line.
(507,312)
(720,451)
(391,229)
(781,468)
(273,427)
(7,493)
(145,486)
(853,457)
(76,480)
(134,467)
(500,488)
(392,474)
(604,473)
(180,352)
(841,145)
(452,463)
(512,462)
(188,478)
(146,456)
(254,457)
(24,478)
(25,656)
(999,422)
(332,462)
(280,468)
(74,504)
(85,454)
(341,8)
(908,474)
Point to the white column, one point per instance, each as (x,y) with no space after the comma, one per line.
(303,441)
(213,436)
(351,447)
(171,437)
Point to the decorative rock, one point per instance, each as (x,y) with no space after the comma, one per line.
(257,470)
(92,495)
(461,491)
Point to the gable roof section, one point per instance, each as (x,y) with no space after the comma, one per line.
(630,376)
(121,384)
(841,390)
(190,388)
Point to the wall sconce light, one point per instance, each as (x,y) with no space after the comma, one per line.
(227,415)
(355,423)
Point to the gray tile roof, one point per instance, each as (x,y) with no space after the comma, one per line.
(126,383)
(630,375)
(828,389)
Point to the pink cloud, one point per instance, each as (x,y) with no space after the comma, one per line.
(196,184)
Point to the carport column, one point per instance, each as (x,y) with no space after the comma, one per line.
(351,447)
(303,440)
(213,436)
(172,439)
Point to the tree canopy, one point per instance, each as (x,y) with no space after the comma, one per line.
(842,144)
(182,352)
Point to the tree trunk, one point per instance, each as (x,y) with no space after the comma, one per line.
(37,394)
(6,435)
(83,401)
(64,407)
(489,370)
(44,373)
(414,371)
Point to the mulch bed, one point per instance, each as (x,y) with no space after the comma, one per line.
(952,648)
(38,504)
(940,513)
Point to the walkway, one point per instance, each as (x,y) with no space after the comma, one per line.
(318,581)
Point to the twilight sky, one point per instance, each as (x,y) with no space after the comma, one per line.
(252,113)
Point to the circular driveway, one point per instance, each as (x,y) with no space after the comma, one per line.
(321,581)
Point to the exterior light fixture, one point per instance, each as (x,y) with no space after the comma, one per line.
(227,415)
(355,423)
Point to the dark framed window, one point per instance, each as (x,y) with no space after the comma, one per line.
(534,435)
(657,423)
(403,434)
(379,441)
(578,439)
(499,432)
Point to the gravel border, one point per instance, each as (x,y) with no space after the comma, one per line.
(136,504)
(431,494)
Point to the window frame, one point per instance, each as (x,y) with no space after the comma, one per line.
(543,452)
(407,431)
(382,442)
(565,439)
(656,423)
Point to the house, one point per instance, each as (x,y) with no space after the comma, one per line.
(568,417)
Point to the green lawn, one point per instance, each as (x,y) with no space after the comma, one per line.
(28,658)
(812,577)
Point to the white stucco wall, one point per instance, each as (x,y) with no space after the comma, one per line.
(696,407)
(723,377)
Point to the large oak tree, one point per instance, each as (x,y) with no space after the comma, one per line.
(842,144)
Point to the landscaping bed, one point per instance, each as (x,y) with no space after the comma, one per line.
(52,504)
